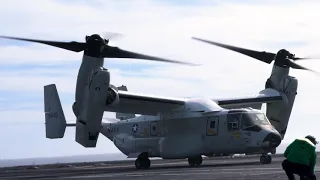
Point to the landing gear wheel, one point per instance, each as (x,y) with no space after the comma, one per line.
(146,163)
(265,159)
(142,163)
(137,163)
(190,161)
(195,161)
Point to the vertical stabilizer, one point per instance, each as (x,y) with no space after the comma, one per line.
(55,122)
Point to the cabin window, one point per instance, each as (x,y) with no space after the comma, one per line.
(233,126)
(213,124)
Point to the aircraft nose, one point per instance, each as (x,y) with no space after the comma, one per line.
(274,139)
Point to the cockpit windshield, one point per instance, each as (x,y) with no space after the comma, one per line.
(241,120)
(250,119)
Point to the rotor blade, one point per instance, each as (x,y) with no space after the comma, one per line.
(115,52)
(111,35)
(263,56)
(297,58)
(305,58)
(297,66)
(72,46)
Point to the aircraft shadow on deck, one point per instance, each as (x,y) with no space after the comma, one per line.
(185,166)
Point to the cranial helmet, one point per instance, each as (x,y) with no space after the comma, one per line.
(312,139)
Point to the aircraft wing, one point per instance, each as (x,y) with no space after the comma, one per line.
(134,103)
(254,101)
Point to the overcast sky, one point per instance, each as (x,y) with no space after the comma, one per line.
(156,27)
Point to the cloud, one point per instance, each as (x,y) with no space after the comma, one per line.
(157,28)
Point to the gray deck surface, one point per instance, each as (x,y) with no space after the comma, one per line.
(212,168)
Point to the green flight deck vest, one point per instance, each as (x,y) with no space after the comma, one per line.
(302,151)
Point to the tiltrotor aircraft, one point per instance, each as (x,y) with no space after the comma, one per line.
(172,127)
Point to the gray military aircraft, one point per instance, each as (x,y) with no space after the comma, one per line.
(171,127)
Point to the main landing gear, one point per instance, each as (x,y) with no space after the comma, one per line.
(142,162)
(265,159)
(195,161)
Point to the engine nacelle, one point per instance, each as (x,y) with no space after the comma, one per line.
(88,124)
(75,109)
(279,112)
(112,99)
(113,96)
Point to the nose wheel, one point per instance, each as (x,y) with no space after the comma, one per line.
(265,159)
(195,161)
(142,163)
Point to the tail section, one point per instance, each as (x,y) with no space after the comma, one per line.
(55,122)
(124,116)
(279,112)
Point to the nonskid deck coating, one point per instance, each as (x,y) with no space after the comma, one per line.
(215,169)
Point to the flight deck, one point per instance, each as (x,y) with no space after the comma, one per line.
(212,168)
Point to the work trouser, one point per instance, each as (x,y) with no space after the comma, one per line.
(299,169)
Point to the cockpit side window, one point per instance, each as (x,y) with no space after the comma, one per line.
(233,121)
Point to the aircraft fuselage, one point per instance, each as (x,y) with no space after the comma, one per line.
(181,135)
